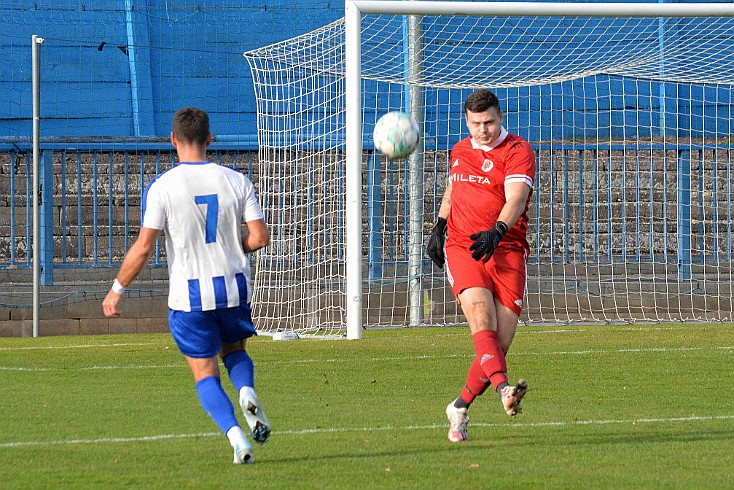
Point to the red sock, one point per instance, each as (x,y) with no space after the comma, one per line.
(476,383)
(490,356)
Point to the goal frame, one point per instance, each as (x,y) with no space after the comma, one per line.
(354,9)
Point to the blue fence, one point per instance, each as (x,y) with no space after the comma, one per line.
(597,204)
(90,200)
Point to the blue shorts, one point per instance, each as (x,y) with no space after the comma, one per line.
(200,334)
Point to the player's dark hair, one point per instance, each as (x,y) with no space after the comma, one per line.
(191,125)
(481,100)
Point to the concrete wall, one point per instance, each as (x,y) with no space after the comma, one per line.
(140,315)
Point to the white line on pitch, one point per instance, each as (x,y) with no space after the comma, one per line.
(82,346)
(518,425)
(91,368)
(110,440)
(105,440)
(522,330)
(584,328)
(383,359)
(468,355)
(538,330)
(625,351)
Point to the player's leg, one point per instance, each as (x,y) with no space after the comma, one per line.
(476,384)
(478,306)
(198,340)
(506,325)
(508,272)
(457,411)
(488,365)
(241,373)
(239,364)
(476,380)
(219,407)
(511,396)
(490,352)
(236,328)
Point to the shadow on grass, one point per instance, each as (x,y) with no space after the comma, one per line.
(495,442)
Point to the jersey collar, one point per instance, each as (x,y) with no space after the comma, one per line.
(492,145)
(193,163)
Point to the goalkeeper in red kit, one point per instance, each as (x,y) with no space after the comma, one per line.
(480,236)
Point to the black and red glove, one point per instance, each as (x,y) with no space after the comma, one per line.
(485,242)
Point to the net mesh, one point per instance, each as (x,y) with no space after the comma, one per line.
(630,119)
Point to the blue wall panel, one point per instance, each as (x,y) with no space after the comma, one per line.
(122,68)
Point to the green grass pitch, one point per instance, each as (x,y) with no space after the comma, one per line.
(621,406)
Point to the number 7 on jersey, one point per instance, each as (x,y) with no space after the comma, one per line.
(212,215)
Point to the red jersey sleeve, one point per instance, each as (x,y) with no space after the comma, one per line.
(520,163)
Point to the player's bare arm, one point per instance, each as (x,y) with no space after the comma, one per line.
(445,209)
(256,236)
(134,262)
(516,196)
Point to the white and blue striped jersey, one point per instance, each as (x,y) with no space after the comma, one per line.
(201,207)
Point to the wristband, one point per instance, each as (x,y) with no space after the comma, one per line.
(117,287)
(501,226)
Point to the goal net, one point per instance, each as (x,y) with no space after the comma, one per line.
(630,115)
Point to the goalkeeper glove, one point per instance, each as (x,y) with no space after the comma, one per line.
(485,242)
(435,243)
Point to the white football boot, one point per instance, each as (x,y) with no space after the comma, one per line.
(254,415)
(242,447)
(512,396)
(458,420)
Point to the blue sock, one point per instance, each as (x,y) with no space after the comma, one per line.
(216,403)
(240,368)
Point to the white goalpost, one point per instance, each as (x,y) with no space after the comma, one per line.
(628,106)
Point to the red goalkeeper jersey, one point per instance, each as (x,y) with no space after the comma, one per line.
(478,176)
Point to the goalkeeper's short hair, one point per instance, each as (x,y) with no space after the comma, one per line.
(481,100)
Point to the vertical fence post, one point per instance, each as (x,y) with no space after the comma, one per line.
(374,217)
(46,231)
(36,83)
(684,215)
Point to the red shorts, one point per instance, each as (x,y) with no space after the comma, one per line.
(504,274)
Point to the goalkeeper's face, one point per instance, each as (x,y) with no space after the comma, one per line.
(485,126)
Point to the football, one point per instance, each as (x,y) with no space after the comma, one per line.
(396,135)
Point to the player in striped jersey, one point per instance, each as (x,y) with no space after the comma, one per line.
(484,211)
(200,206)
